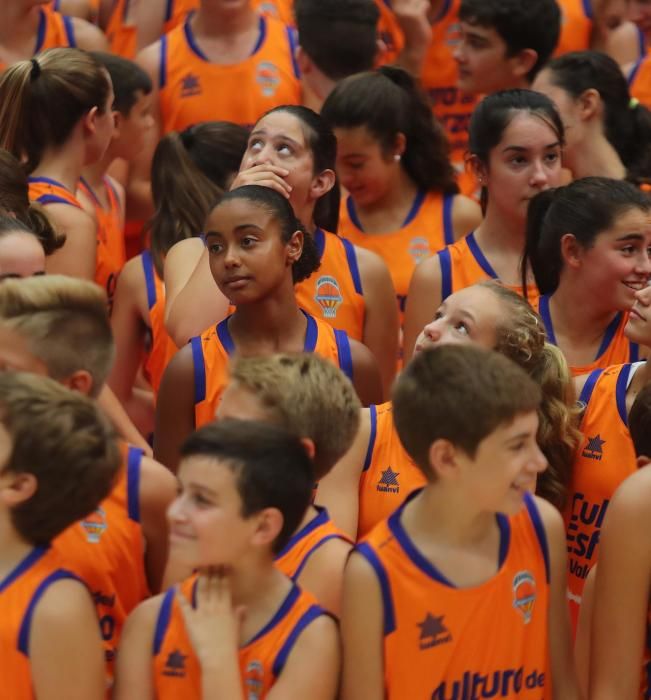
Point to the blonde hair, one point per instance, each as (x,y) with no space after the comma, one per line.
(41,100)
(65,322)
(522,338)
(307,395)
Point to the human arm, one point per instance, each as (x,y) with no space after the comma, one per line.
(423,299)
(88,36)
(413,19)
(561,657)
(622,589)
(583,638)
(323,575)
(77,8)
(623,44)
(133,675)
(174,409)
(158,489)
(120,420)
(78,256)
(381,324)
(366,375)
(65,646)
(149,19)
(466,215)
(362,633)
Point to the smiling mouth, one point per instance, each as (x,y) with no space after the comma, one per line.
(637,314)
(635,286)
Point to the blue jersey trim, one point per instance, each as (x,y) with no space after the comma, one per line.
(162,63)
(225,337)
(134,462)
(587,9)
(163,620)
(444,11)
(633,351)
(352,213)
(22,567)
(448,228)
(351,257)
(56,4)
(26,624)
(308,616)
(196,49)
(415,208)
(321,518)
(588,387)
(150,282)
(479,256)
(55,199)
(262,35)
(70,31)
(641,43)
(609,335)
(40,32)
(445,261)
(310,552)
(319,240)
(371,438)
(282,611)
(168,10)
(385,586)
(543,310)
(634,71)
(48,181)
(345,355)
(620,392)
(538,526)
(311,333)
(505,538)
(199,370)
(292,39)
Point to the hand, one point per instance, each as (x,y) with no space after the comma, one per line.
(413,18)
(266,175)
(213,626)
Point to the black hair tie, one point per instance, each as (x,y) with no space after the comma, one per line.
(36,70)
(187,138)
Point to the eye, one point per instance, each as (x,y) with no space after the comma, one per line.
(248,241)
(284,149)
(517,447)
(201,500)
(628,249)
(255,145)
(552,157)
(215,248)
(462,328)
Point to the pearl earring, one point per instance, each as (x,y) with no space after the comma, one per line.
(397,157)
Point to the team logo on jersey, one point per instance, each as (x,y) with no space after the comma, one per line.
(388,482)
(190,85)
(524,594)
(594,448)
(175,664)
(433,632)
(268,8)
(254,680)
(328,296)
(419,249)
(453,35)
(94,524)
(267,78)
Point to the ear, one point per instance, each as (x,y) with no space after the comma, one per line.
(642,461)
(294,247)
(17,488)
(443,459)
(118,122)
(308,446)
(90,120)
(380,50)
(80,381)
(269,523)
(477,168)
(303,61)
(571,251)
(523,62)
(322,184)
(589,104)
(400,144)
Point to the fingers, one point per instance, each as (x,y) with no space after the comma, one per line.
(265,175)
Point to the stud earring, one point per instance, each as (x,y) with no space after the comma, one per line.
(397,157)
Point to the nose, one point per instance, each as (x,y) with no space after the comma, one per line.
(175,511)
(459,53)
(538,461)
(643,264)
(539,176)
(433,330)
(231,258)
(264,156)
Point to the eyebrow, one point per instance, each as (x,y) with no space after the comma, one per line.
(283,137)
(467,314)
(238,229)
(524,149)
(519,436)
(201,487)
(632,237)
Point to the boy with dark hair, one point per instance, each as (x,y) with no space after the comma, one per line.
(58,460)
(239,628)
(423,590)
(101,195)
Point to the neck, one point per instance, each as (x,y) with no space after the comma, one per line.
(310,514)
(94,174)
(573,313)
(13,549)
(63,164)
(500,231)
(216,23)
(17,23)
(399,196)
(316,88)
(597,158)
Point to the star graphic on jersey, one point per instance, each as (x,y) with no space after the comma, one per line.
(389,477)
(176,660)
(594,448)
(432,626)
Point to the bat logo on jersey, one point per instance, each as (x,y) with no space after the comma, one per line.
(433,632)
(419,249)
(328,296)
(94,524)
(267,78)
(524,594)
(254,680)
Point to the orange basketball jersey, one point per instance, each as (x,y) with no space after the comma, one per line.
(441,642)
(463,264)
(107,551)
(176,12)
(192,89)
(639,81)
(604,459)
(111,254)
(280,9)
(122,37)
(212,350)
(177,674)
(45,190)
(389,474)
(334,292)
(20,592)
(162,347)
(390,32)
(439,79)
(304,543)
(615,347)
(426,230)
(576,26)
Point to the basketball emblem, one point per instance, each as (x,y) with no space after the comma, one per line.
(524,594)
(328,296)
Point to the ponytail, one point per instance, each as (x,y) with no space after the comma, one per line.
(545,261)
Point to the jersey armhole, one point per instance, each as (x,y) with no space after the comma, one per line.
(45,199)
(169,6)
(150,283)
(634,351)
(163,620)
(445,261)
(162,63)
(314,549)
(351,257)
(292,40)
(387,602)
(588,387)
(199,370)
(448,227)
(539,529)
(69,28)
(26,624)
(134,461)
(308,616)
(371,438)
(343,351)
(587,9)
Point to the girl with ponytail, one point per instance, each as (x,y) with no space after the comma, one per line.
(392,158)
(608,131)
(191,170)
(588,246)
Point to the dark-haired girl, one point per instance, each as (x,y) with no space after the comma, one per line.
(588,246)
(292,151)
(516,138)
(608,133)
(392,158)
(258,250)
